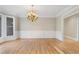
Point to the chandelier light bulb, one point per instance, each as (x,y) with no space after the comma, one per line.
(32,15)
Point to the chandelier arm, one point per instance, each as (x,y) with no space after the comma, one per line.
(32,15)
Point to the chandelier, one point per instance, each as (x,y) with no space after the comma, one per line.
(32,15)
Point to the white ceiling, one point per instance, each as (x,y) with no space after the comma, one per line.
(43,10)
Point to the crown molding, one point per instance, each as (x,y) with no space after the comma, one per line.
(69,11)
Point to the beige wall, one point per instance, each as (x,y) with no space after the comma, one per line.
(49,24)
(58,24)
(17,24)
(70,27)
(42,24)
(59,28)
(60,20)
(17,27)
(44,27)
(78,28)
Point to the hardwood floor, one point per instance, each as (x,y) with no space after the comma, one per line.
(39,46)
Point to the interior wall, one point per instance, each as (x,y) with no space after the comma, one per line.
(56,29)
(17,27)
(44,27)
(59,28)
(70,27)
(41,24)
(78,28)
(64,14)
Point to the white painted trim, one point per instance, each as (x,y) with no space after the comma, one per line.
(37,34)
(71,38)
(77,27)
(62,28)
(69,11)
(64,11)
(1,26)
(42,34)
(13,25)
(4,37)
(76,17)
(7,39)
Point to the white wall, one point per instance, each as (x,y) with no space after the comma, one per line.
(70,27)
(60,22)
(59,28)
(78,28)
(44,27)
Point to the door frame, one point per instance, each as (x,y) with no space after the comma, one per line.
(76,22)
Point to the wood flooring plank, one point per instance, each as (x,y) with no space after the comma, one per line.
(40,46)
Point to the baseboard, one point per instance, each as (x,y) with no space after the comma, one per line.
(59,35)
(7,39)
(70,37)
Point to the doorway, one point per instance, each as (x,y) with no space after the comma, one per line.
(71,27)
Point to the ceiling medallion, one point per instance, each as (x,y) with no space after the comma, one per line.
(32,15)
